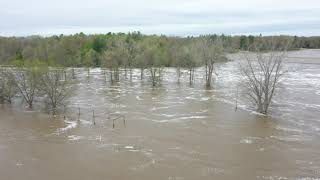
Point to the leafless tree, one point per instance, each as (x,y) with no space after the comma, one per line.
(152,59)
(56,87)
(27,82)
(188,61)
(114,58)
(156,74)
(262,72)
(8,88)
(210,52)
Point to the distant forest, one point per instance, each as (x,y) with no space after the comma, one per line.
(129,49)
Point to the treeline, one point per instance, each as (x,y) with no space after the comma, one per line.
(36,65)
(245,42)
(125,50)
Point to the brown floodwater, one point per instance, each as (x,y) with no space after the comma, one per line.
(173,132)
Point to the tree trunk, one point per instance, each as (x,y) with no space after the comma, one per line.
(141,73)
(130,73)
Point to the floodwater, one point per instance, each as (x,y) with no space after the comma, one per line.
(174,132)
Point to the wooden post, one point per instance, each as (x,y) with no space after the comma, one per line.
(236,100)
(79,113)
(73,74)
(93,117)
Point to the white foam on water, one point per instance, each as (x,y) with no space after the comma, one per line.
(142,167)
(70,125)
(19,164)
(74,137)
(107,145)
(272,178)
(204,99)
(179,119)
(248,140)
(134,150)
(289,129)
(293,138)
(164,107)
(292,103)
(174,148)
(85,122)
(128,147)
(190,97)
(191,117)
(168,115)
(315,128)
(212,170)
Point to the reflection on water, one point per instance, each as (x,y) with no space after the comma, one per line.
(172,132)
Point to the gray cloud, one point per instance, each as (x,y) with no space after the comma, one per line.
(172,17)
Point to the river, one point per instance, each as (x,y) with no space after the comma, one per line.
(172,132)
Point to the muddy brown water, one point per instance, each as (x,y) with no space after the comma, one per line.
(173,132)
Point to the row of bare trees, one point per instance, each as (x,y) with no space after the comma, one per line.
(152,56)
(29,83)
(261,71)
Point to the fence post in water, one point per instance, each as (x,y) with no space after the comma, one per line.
(78,113)
(236,100)
(64,111)
(124,121)
(93,117)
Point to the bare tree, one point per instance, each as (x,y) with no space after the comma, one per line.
(210,52)
(155,73)
(8,88)
(114,58)
(27,82)
(151,58)
(175,53)
(132,51)
(155,65)
(188,61)
(141,59)
(262,72)
(56,87)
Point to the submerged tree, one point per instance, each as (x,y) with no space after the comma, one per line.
(188,61)
(210,52)
(262,72)
(155,58)
(8,88)
(56,87)
(141,60)
(27,82)
(132,51)
(90,57)
(114,57)
(175,54)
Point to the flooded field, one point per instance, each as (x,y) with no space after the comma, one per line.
(173,132)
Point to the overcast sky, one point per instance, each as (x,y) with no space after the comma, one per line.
(170,17)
